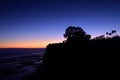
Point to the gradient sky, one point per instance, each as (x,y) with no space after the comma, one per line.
(36,23)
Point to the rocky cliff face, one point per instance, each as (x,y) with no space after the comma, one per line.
(82,60)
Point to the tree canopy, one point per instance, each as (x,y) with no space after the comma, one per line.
(75,34)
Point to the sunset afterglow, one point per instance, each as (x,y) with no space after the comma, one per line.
(36,23)
(28,44)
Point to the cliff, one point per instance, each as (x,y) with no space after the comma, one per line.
(70,61)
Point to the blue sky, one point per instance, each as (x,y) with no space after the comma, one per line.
(40,22)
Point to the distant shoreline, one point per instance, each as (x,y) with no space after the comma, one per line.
(22,48)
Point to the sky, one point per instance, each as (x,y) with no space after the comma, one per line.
(36,23)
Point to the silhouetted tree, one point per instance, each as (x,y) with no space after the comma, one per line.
(75,34)
(110,34)
(107,33)
(113,31)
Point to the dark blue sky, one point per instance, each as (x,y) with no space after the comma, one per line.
(35,23)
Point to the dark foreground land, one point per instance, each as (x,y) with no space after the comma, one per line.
(87,59)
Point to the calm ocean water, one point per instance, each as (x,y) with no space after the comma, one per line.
(11,52)
(17,63)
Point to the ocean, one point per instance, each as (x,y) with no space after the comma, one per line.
(9,52)
(17,63)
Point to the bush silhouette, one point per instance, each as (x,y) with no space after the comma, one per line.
(75,34)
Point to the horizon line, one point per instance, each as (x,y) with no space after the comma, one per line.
(22,47)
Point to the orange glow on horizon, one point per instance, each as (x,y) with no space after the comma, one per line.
(28,44)
(23,45)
